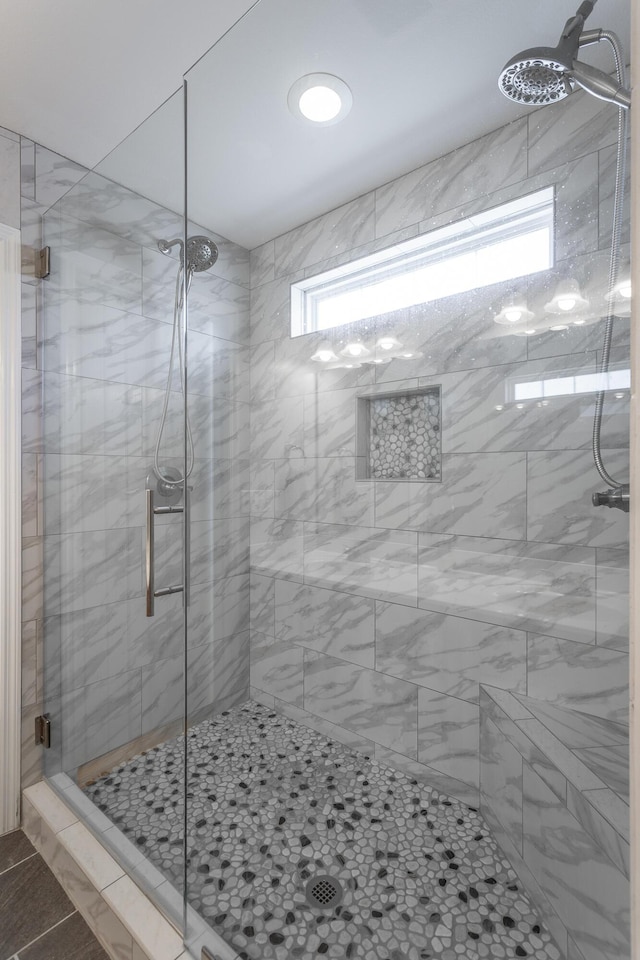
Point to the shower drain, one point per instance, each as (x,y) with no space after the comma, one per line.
(324,892)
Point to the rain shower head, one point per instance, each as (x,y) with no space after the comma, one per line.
(543,75)
(202,252)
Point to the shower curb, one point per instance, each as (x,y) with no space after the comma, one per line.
(125,921)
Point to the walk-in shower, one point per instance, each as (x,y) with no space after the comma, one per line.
(390,661)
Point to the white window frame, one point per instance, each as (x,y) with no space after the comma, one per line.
(509,220)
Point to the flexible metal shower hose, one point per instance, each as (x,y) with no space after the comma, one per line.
(614,261)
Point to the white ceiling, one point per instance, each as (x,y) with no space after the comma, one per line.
(423,74)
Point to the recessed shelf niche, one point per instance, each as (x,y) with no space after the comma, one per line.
(399,436)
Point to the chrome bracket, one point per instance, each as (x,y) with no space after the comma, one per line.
(43,731)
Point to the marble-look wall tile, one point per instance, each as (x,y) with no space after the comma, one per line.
(323,490)
(605,836)
(277,430)
(92,264)
(98,717)
(96,643)
(230,666)
(92,568)
(568,130)
(55,175)
(27,169)
(270,310)
(478,412)
(545,766)
(607,172)
(501,779)
(330,424)
(30,498)
(262,263)
(591,895)
(371,563)
(468,501)
(91,416)
(10,182)
(559,508)
(380,707)
(340,229)
(277,549)
(579,676)
(332,730)
(448,735)
(262,372)
(612,599)
(262,604)
(611,764)
(512,584)
(262,488)
(30,296)
(336,624)
(277,668)
(575,728)
(32,426)
(30,685)
(473,170)
(162,693)
(218,611)
(32,578)
(448,654)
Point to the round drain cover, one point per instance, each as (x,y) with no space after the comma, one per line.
(325,892)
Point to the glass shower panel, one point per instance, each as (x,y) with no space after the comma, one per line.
(112,426)
(407,489)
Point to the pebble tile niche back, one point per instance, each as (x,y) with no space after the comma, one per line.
(399,436)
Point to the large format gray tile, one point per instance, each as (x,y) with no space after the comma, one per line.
(448,654)
(591,895)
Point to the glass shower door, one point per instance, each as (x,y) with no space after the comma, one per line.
(112,463)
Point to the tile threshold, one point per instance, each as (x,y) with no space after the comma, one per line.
(134,929)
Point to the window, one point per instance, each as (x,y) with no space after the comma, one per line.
(512,240)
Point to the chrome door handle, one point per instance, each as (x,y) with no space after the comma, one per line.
(149,556)
(150,590)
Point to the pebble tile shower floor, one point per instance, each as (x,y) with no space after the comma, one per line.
(273,804)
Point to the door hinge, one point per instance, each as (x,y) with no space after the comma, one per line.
(36,263)
(43,731)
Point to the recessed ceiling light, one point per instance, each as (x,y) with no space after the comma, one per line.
(320,98)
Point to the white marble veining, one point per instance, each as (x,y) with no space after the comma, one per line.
(580,804)
(559,508)
(513,584)
(472,170)
(55,175)
(324,489)
(501,779)
(361,560)
(98,717)
(568,130)
(340,229)
(380,707)
(579,676)
(448,654)
(92,567)
(337,624)
(612,599)
(448,732)
(590,894)
(277,548)
(277,668)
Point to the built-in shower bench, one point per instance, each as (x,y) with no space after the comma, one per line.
(554,787)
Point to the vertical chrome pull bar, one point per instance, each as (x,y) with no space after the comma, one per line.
(186,577)
(149,549)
